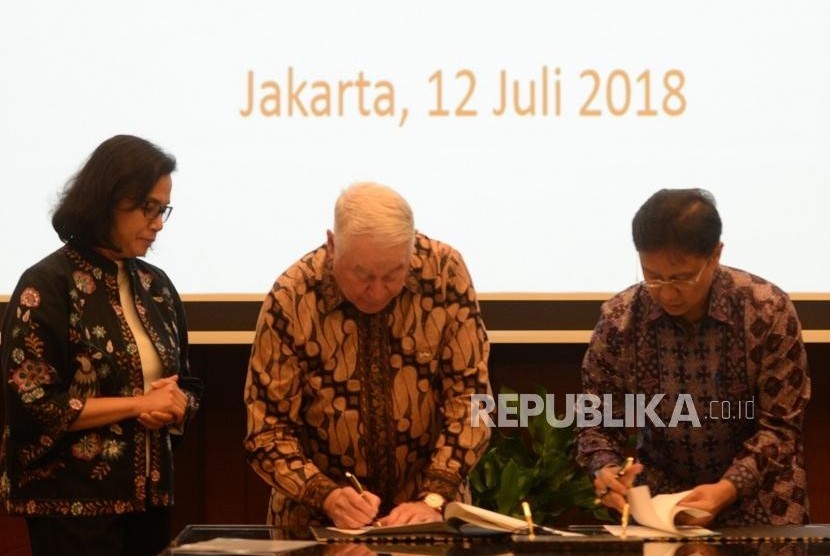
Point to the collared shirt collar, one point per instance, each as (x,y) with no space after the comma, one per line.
(106,264)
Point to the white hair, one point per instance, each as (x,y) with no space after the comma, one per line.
(372,209)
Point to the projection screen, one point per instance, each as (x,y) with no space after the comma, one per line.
(524,133)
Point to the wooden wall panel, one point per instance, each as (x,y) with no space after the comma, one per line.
(235,495)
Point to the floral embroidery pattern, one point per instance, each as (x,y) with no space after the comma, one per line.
(99,362)
(104,370)
(29,377)
(30,297)
(84,282)
(85,381)
(88,447)
(145,279)
(112,449)
(101,471)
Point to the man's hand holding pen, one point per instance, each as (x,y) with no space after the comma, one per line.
(352,507)
(613,481)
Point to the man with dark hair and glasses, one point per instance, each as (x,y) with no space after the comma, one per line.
(716,354)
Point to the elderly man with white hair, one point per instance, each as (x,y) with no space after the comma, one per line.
(367,353)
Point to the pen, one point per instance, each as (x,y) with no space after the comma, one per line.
(359,488)
(628,463)
(526,509)
(626,510)
(355,483)
(581,528)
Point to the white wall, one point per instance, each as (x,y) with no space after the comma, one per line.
(535,203)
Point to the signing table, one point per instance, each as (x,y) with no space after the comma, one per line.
(740,541)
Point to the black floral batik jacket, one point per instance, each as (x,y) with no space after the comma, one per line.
(65,339)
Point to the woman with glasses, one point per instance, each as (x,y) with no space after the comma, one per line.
(95,371)
(716,357)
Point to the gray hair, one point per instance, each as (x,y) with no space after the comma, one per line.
(372,209)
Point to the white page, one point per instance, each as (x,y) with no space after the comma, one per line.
(643,532)
(490,519)
(482,517)
(659,511)
(243,546)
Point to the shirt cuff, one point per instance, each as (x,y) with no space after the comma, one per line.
(439,484)
(317,490)
(601,460)
(746,481)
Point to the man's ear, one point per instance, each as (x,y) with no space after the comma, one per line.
(330,242)
(716,253)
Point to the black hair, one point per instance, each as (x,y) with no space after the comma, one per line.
(122,167)
(684,220)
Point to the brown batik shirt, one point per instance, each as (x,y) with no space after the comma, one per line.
(743,372)
(385,396)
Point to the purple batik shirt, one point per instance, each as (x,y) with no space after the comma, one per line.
(736,383)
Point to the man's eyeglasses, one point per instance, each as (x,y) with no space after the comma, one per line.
(654,284)
(153,210)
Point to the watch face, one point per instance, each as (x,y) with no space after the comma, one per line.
(435,501)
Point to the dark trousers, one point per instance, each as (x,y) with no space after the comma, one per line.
(139,534)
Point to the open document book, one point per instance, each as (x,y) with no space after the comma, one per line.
(459,520)
(226,545)
(656,515)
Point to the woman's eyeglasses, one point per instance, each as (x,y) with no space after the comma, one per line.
(153,210)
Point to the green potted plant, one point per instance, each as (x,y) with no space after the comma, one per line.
(535,464)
